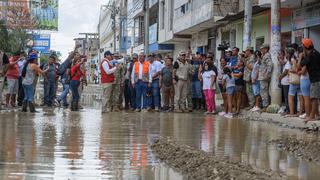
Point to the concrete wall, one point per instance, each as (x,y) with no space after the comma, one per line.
(165,15)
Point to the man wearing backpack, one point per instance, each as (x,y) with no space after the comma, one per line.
(64,72)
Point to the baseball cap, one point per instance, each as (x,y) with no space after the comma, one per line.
(108,53)
(182,53)
(249,48)
(307,43)
(134,56)
(265,46)
(32,57)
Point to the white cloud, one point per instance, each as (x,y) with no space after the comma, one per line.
(75,16)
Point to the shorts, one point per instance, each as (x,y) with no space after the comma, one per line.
(13,86)
(314,90)
(230,90)
(305,87)
(256,88)
(196,89)
(294,89)
(222,90)
(239,88)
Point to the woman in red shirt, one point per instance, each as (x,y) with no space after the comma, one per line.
(76,75)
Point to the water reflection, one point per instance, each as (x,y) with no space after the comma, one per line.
(61,144)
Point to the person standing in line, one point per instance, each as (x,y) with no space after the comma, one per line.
(256,85)
(166,85)
(265,71)
(107,69)
(141,80)
(180,80)
(76,74)
(191,72)
(127,84)
(119,78)
(156,67)
(229,84)
(13,79)
(4,61)
(311,61)
(240,83)
(50,81)
(22,61)
(196,84)
(29,72)
(249,62)
(223,64)
(64,72)
(304,85)
(208,78)
(133,104)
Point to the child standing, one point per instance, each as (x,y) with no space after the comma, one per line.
(208,76)
(228,83)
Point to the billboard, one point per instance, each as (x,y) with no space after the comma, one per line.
(45,14)
(42,43)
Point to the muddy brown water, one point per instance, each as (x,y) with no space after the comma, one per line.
(58,144)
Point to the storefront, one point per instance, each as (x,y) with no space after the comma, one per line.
(306,23)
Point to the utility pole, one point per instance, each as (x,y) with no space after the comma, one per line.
(146,22)
(275,51)
(247,23)
(113,16)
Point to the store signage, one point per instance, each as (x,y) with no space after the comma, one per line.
(306,17)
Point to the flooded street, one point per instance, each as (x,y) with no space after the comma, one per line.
(58,144)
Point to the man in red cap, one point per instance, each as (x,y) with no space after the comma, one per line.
(312,62)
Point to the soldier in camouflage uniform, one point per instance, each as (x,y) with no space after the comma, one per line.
(249,62)
(265,70)
(119,80)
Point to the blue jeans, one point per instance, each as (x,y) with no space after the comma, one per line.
(155,94)
(141,91)
(196,89)
(65,92)
(50,92)
(74,90)
(305,87)
(28,92)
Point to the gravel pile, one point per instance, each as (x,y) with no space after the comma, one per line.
(197,164)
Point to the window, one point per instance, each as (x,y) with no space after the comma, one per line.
(162,14)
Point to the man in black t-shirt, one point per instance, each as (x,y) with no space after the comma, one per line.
(312,62)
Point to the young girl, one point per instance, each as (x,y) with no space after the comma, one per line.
(228,83)
(208,77)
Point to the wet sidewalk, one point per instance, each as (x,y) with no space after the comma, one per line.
(59,144)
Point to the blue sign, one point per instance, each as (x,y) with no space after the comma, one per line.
(42,43)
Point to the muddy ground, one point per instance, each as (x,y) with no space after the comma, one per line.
(197,164)
(306,149)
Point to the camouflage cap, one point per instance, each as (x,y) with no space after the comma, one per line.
(249,48)
(265,46)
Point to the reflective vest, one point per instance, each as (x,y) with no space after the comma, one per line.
(145,71)
(106,78)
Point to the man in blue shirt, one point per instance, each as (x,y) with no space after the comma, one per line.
(234,58)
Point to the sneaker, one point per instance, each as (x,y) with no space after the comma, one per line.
(144,110)
(222,113)
(178,111)
(137,110)
(229,116)
(255,109)
(208,112)
(303,116)
(156,109)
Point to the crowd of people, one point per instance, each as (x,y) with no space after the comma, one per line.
(189,83)
(192,81)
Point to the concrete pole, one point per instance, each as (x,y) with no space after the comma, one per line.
(247,24)
(146,29)
(275,51)
(113,15)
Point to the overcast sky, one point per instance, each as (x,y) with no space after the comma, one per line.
(75,16)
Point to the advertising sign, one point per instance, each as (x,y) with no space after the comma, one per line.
(42,43)
(306,17)
(45,14)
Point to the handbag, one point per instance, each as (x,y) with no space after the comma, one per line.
(294,78)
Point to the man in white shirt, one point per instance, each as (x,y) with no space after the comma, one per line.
(141,80)
(107,81)
(156,67)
